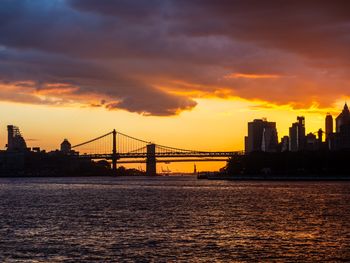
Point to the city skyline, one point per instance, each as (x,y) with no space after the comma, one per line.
(266,139)
(263,136)
(32,125)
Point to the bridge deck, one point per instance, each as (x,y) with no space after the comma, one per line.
(164,155)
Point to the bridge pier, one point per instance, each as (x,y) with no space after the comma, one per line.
(114,154)
(151,162)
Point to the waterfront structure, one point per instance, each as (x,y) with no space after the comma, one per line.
(151,168)
(297,135)
(132,150)
(66,147)
(101,150)
(262,136)
(15,141)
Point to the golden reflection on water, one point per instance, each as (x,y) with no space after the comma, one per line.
(172,219)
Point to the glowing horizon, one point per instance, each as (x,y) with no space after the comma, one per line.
(226,128)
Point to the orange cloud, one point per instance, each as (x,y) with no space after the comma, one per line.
(56,89)
(252,76)
(53,94)
(164,54)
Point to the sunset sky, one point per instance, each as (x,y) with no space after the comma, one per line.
(183,73)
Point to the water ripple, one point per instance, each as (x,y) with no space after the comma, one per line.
(172,219)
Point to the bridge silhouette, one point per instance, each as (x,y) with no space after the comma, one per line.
(122,148)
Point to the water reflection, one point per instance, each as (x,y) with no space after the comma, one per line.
(172,219)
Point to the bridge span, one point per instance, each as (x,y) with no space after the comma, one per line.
(122,148)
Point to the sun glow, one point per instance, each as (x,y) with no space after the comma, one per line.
(214,125)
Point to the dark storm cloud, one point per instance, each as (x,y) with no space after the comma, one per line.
(89,78)
(312,28)
(57,46)
(141,55)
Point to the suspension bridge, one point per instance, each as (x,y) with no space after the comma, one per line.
(122,148)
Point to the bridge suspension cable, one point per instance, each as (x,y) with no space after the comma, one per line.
(90,141)
(131,147)
(173,149)
(129,144)
(99,145)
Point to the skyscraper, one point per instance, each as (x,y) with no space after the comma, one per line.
(270,139)
(293,138)
(343,118)
(262,136)
(297,135)
(341,139)
(329,126)
(15,141)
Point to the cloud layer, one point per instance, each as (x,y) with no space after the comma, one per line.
(156,57)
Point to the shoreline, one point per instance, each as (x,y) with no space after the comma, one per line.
(274,178)
(211,177)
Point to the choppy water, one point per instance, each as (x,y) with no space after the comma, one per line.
(172,219)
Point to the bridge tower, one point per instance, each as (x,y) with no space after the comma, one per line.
(114,153)
(151,163)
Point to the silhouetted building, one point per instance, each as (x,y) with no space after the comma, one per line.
(246,144)
(285,144)
(262,136)
(270,138)
(343,118)
(320,136)
(15,141)
(254,138)
(329,126)
(297,135)
(312,143)
(331,141)
(341,138)
(66,147)
(293,138)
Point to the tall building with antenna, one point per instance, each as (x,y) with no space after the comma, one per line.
(341,138)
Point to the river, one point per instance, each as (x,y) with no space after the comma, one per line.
(167,219)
